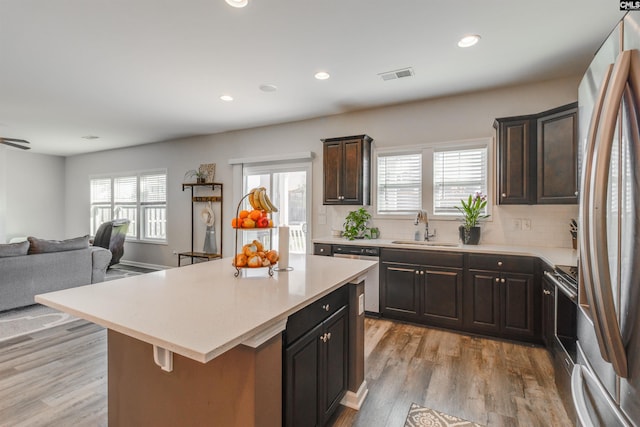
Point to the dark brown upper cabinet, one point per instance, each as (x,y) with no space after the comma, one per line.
(347,170)
(538,157)
(558,157)
(515,175)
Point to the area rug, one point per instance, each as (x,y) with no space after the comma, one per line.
(420,416)
(34,318)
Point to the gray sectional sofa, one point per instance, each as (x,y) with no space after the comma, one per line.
(37,266)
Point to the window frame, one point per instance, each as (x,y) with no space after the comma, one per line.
(427,189)
(140,206)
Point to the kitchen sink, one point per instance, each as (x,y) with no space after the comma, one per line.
(425,243)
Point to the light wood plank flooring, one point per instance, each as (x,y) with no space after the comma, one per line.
(490,382)
(58,377)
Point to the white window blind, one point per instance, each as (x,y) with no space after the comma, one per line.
(399,183)
(101,190)
(153,188)
(456,175)
(125,189)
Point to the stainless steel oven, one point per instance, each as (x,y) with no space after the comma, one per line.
(565,281)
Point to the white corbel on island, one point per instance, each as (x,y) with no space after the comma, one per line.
(196,346)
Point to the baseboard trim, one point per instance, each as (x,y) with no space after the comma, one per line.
(355,400)
(144,265)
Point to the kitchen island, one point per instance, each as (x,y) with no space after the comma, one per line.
(196,346)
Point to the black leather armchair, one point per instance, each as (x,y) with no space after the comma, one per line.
(110,235)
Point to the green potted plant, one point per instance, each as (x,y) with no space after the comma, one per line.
(472,213)
(199,175)
(355,225)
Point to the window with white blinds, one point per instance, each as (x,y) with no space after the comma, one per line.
(139,197)
(399,184)
(456,175)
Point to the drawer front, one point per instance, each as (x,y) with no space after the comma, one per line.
(322,249)
(516,264)
(423,257)
(307,318)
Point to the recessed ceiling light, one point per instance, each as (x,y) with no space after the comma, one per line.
(90,137)
(237,3)
(226,98)
(322,75)
(268,88)
(468,41)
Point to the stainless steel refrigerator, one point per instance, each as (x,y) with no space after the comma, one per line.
(605,380)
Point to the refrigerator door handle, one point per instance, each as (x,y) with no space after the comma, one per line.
(581,380)
(605,305)
(578,396)
(585,239)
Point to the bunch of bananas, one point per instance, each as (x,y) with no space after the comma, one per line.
(259,200)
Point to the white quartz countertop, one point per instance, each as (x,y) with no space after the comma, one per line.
(552,256)
(201,310)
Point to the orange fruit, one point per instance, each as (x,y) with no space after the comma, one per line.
(235,222)
(248,223)
(243,214)
(270,223)
(255,215)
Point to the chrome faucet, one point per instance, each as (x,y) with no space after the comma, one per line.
(423,217)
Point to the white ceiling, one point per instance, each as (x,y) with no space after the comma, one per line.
(141,71)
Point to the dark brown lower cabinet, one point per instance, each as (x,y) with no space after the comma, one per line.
(548,312)
(501,304)
(316,367)
(422,293)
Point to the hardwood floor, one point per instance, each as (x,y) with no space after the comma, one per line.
(490,382)
(58,377)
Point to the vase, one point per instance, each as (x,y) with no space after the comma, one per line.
(470,236)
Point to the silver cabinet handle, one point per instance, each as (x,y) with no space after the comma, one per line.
(323,338)
(497,279)
(504,194)
(422,272)
(502,280)
(329,336)
(499,263)
(576,193)
(546,292)
(326,307)
(321,250)
(417,272)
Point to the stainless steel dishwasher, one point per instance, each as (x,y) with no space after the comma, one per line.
(372,279)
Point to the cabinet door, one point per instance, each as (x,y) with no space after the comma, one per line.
(400,291)
(302,380)
(548,312)
(558,158)
(352,172)
(333,363)
(482,302)
(514,160)
(333,165)
(442,296)
(517,317)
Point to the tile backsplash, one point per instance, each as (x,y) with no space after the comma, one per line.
(528,225)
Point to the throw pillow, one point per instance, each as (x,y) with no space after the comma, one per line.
(41,246)
(14,249)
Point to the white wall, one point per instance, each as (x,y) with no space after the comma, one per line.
(3,193)
(439,120)
(34,195)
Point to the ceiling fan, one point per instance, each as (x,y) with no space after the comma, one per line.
(13,142)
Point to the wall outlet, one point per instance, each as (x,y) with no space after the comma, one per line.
(174,252)
(517,224)
(526,224)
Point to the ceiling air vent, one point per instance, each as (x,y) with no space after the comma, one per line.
(397,74)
